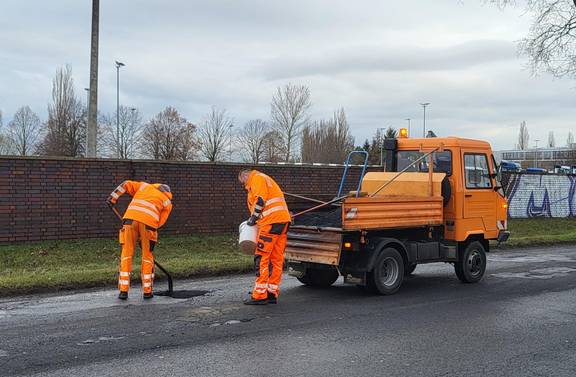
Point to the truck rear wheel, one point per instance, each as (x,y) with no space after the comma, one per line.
(471,265)
(388,273)
(322,278)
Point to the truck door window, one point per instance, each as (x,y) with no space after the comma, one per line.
(476,172)
(442,161)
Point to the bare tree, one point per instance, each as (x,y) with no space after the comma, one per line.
(523,136)
(570,140)
(289,112)
(65,132)
(169,136)
(327,141)
(274,148)
(3,139)
(252,140)
(551,140)
(551,41)
(23,131)
(215,134)
(122,141)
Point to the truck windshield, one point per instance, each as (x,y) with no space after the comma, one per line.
(442,161)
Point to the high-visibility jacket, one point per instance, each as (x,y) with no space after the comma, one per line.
(266,200)
(149,205)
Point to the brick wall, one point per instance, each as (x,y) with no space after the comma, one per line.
(534,195)
(53,198)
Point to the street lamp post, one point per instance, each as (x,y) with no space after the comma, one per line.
(118,65)
(408,119)
(424,122)
(536,153)
(382,146)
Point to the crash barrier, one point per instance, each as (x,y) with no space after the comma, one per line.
(540,195)
(63,198)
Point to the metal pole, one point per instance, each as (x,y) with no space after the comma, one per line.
(409,119)
(118,65)
(382,147)
(424,122)
(93,94)
(536,154)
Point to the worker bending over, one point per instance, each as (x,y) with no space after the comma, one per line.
(269,210)
(149,209)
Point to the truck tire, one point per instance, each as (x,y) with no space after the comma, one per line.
(409,269)
(471,265)
(322,278)
(388,273)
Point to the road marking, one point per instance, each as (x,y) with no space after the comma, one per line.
(88,342)
(539,273)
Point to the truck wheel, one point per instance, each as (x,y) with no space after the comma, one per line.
(388,273)
(322,278)
(472,264)
(410,269)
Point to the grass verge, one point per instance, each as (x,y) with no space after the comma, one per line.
(57,265)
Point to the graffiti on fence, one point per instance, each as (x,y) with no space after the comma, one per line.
(541,196)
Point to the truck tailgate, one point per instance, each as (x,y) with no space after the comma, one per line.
(314,244)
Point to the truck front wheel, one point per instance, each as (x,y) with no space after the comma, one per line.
(322,278)
(388,273)
(471,265)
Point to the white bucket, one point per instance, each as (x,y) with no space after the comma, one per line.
(247,239)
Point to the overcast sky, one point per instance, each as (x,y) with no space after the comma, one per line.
(377,59)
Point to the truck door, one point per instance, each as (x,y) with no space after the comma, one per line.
(479,198)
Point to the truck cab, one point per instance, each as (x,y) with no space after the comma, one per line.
(434,200)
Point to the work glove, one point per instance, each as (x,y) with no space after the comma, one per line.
(110,201)
(252,221)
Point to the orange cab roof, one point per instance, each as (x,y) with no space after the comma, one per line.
(451,141)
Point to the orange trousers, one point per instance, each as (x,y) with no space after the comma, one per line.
(131,232)
(269,260)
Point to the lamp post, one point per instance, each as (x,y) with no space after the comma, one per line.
(408,119)
(382,146)
(118,65)
(536,153)
(91,133)
(424,122)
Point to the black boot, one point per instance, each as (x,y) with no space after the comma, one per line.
(251,301)
(148,296)
(123,295)
(272,299)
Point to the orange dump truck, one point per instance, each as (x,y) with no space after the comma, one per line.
(439,200)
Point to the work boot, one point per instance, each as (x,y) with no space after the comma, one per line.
(148,296)
(251,301)
(272,299)
(123,295)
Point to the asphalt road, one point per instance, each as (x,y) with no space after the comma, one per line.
(519,321)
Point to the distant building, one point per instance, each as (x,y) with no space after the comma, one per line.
(547,158)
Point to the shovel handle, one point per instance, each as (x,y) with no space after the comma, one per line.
(118,215)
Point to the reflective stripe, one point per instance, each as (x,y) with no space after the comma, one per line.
(147,285)
(114,195)
(126,258)
(147,261)
(275,200)
(261,290)
(167,203)
(144,185)
(274,209)
(148,276)
(121,189)
(272,286)
(124,282)
(144,203)
(124,273)
(145,210)
(262,285)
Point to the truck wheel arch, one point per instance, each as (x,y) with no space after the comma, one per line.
(475,237)
(382,244)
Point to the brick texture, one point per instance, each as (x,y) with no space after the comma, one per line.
(54,199)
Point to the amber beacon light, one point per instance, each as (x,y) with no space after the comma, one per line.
(403,132)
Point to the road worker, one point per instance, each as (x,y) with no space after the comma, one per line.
(149,209)
(269,211)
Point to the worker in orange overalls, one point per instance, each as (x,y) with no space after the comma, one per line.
(149,209)
(269,210)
